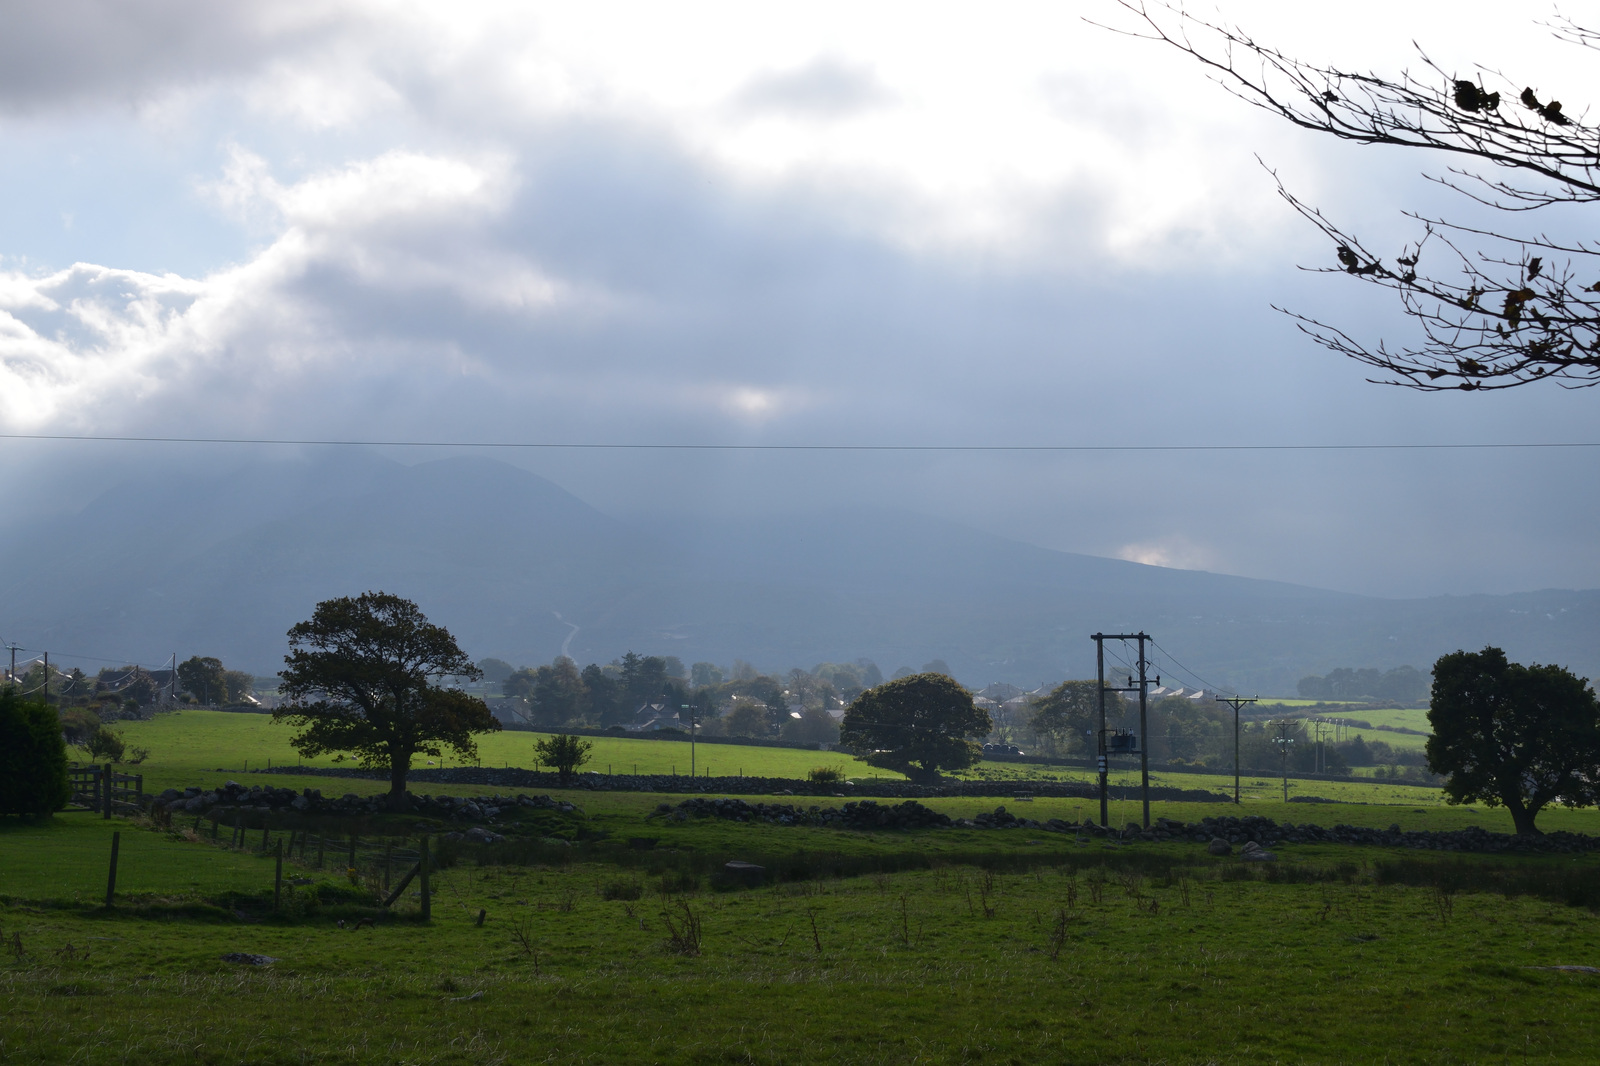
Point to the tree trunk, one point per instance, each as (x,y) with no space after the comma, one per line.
(399,767)
(1522,818)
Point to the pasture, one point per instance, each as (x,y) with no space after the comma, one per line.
(1018,951)
(923,946)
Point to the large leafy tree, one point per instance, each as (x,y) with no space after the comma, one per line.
(916,725)
(1066,716)
(363,678)
(549,697)
(1498,304)
(205,678)
(1510,735)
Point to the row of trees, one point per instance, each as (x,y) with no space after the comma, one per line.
(737,702)
(1403,684)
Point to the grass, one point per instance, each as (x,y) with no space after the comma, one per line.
(881,947)
(187,743)
(1060,953)
(210,747)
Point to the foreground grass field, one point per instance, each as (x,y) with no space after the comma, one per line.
(934,946)
(999,948)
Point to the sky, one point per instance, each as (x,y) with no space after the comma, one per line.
(723,223)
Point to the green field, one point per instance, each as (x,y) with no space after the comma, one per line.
(1399,717)
(934,946)
(208,748)
(981,947)
(186,743)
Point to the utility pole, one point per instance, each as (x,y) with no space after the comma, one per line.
(693,721)
(1235,702)
(46,695)
(1283,743)
(1144,748)
(13,649)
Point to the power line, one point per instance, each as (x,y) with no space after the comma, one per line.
(1192,675)
(616,446)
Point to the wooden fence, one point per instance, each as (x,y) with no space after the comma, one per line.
(101,788)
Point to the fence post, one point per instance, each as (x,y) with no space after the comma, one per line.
(138,790)
(277,878)
(422,869)
(111,877)
(105,794)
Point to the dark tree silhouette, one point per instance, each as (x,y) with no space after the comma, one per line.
(917,725)
(362,677)
(1496,309)
(1510,735)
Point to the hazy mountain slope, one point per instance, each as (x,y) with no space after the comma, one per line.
(516,566)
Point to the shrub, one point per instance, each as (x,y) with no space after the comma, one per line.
(105,745)
(825,775)
(33,757)
(564,752)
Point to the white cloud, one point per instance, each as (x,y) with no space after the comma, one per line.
(1176,551)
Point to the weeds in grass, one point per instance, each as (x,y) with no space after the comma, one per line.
(1097,884)
(1072,888)
(683,935)
(622,888)
(1058,935)
(1444,903)
(816,941)
(522,934)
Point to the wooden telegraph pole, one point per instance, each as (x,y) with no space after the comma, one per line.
(1235,702)
(1144,747)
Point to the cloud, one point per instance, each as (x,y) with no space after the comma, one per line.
(825,88)
(72,52)
(1172,551)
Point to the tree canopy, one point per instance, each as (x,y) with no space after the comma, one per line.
(362,678)
(33,757)
(205,678)
(916,725)
(1496,308)
(1510,735)
(1067,715)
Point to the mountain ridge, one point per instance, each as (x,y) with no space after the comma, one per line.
(512,562)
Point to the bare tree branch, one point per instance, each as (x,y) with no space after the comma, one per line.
(1492,317)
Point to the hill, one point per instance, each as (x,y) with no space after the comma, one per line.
(519,568)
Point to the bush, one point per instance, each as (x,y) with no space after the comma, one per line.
(825,775)
(104,745)
(33,757)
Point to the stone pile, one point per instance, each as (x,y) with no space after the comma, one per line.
(512,777)
(864,814)
(1253,835)
(234,796)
